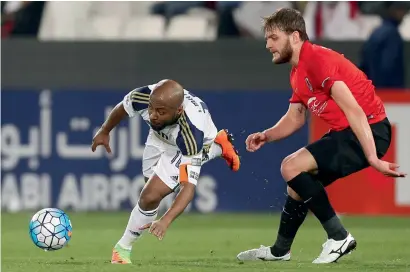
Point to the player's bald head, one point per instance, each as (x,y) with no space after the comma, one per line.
(165,104)
(168,93)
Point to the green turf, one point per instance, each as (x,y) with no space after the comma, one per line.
(204,243)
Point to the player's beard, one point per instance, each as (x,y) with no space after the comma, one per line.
(167,123)
(285,55)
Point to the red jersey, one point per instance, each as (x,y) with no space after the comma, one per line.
(312,78)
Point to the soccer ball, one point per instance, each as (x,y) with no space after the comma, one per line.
(50,229)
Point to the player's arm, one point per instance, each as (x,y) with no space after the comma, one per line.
(356,117)
(185,196)
(361,128)
(133,102)
(189,173)
(114,118)
(102,137)
(292,121)
(188,177)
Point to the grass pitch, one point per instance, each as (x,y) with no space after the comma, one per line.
(204,243)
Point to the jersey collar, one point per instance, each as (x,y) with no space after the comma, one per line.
(304,50)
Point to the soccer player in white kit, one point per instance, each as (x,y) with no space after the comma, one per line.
(182,138)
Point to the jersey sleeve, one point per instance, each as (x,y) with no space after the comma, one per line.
(323,75)
(190,137)
(295,98)
(190,141)
(137,100)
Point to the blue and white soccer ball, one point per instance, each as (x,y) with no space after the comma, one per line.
(50,229)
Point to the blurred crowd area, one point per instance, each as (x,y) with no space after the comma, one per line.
(194,20)
(384,27)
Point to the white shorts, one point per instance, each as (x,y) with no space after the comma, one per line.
(162,159)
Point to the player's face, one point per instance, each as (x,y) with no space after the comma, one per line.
(161,115)
(278,43)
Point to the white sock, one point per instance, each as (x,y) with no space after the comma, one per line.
(137,219)
(214,151)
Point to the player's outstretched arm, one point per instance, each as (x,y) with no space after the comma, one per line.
(159,227)
(358,122)
(292,121)
(185,196)
(189,171)
(103,135)
(114,118)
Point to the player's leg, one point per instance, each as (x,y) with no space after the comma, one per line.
(211,152)
(334,156)
(349,159)
(293,214)
(304,192)
(143,213)
(321,162)
(223,146)
(297,172)
(164,180)
(151,157)
(312,192)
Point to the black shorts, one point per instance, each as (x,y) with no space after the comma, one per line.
(339,153)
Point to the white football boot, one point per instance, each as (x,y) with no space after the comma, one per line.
(334,250)
(261,254)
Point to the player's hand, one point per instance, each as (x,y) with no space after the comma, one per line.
(101,138)
(157,228)
(387,168)
(255,141)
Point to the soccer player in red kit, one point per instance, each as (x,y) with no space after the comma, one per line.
(328,85)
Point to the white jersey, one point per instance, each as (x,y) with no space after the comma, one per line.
(194,129)
(191,134)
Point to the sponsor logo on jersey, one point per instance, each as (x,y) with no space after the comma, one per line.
(316,106)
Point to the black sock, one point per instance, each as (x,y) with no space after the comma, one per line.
(314,195)
(293,214)
(335,229)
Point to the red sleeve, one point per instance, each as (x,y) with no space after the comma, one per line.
(295,98)
(323,75)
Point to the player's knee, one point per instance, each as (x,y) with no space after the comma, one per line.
(293,194)
(288,158)
(149,200)
(296,163)
(289,169)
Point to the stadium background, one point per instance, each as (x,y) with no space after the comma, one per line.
(57,90)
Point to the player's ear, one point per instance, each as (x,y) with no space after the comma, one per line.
(180,110)
(295,36)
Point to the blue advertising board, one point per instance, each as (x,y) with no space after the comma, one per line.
(47,159)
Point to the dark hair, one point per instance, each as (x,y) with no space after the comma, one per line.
(287,20)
